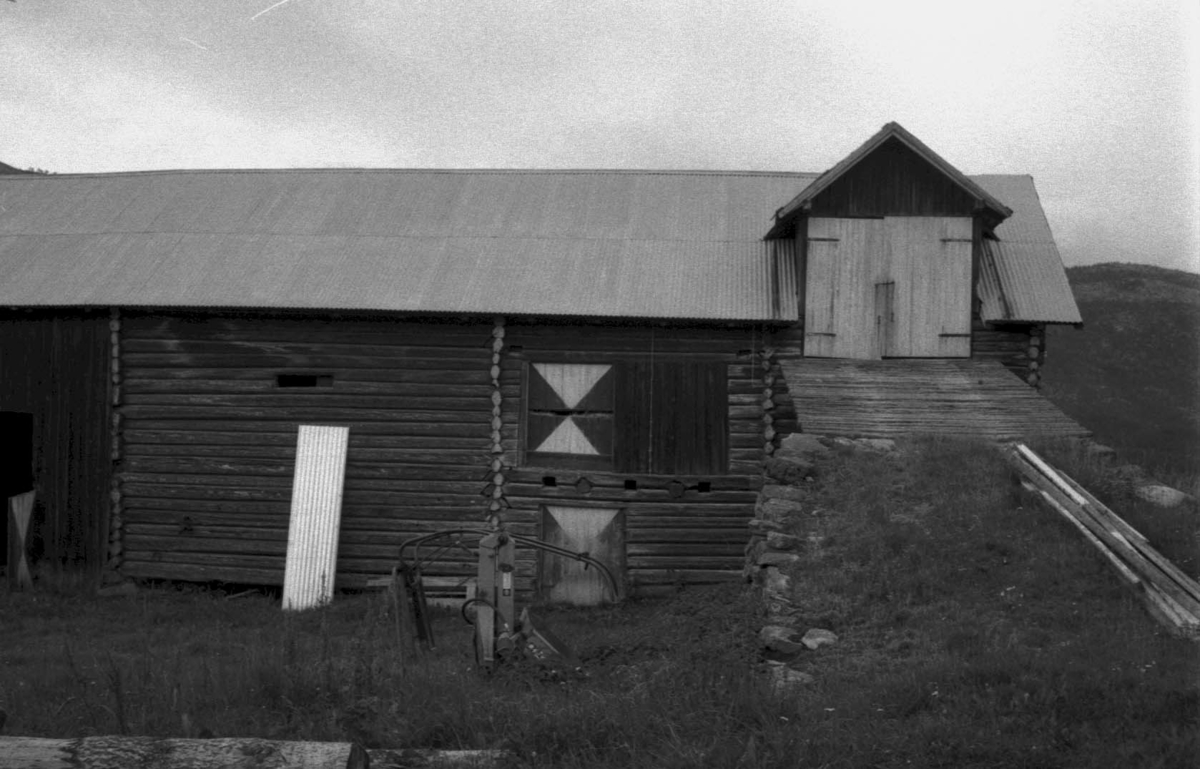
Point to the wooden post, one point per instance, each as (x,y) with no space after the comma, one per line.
(156,753)
(20,511)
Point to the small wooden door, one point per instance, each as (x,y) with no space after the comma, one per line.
(598,532)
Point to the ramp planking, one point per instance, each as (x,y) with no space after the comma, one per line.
(889,398)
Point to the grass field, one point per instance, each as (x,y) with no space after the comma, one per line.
(976,630)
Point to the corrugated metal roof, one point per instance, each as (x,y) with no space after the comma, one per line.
(619,244)
(578,243)
(1022,276)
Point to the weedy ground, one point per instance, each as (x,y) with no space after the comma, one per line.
(976,630)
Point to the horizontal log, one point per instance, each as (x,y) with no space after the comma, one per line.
(566,493)
(287,453)
(684,549)
(136,543)
(301,346)
(335,412)
(650,576)
(480,429)
(341,375)
(316,327)
(686,563)
(349,548)
(270,487)
(266,384)
(608,479)
(681,509)
(172,753)
(248,573)
(284,435)
(352,496)
(315,398)
(134,466)
(725,529)
(359,514)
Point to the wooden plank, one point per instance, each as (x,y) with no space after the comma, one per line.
(1134,558)
(898,397)
(172,753)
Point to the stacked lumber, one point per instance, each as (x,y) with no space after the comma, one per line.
(1171,596)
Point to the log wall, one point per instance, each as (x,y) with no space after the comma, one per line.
(434,411)
(209,437)
(679,528)
(1020,347)
(55,366)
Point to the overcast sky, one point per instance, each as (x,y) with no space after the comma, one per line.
(1097,100)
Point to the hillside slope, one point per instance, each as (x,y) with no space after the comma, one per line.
(1132,374)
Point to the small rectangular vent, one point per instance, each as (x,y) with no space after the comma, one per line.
(304,380)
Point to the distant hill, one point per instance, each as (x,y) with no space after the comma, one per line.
(5,168)
(1132,374)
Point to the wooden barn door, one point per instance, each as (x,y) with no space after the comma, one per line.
(894,287)
(845,260)
(930,259)
(600,533)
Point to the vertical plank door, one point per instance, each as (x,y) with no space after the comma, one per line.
(600,533)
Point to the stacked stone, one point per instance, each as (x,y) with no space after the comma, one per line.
(772,551)
(115,517)
(497,479)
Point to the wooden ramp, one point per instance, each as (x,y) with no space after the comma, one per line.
(888,398)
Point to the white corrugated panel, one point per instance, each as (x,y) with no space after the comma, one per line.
(316,516)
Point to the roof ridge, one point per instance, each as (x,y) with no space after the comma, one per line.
(449,171)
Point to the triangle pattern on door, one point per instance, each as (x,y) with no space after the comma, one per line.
(578,530)
(571,382)
(567,438)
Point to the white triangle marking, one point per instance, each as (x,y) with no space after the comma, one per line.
(581,526)
(567,438)
(572,381)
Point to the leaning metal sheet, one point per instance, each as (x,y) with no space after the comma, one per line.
(316,516)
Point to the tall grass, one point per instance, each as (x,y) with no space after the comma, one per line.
(976,629)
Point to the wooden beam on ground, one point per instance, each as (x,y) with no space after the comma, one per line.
(159,753)
(1169,594)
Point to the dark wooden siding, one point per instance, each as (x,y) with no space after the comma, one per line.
(55,365)
(209,438)
(893,181)
(679,526)
(1017,346)
(672,418)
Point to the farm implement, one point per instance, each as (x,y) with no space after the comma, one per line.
(500,634)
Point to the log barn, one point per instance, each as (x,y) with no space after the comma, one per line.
(594,357)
